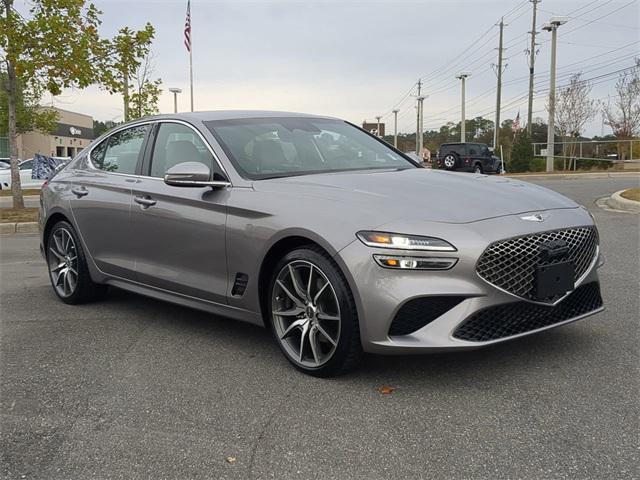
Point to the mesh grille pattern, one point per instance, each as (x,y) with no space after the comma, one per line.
(419,312)
(511,264)
(519,317)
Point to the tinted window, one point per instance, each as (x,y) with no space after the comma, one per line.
(120,152)
(284,146)
(474,149)
(28,165)
(176,143)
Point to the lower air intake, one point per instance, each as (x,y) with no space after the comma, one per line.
(417,313)
(514,318)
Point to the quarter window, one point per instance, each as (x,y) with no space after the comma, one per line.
(176,143)
(120,152)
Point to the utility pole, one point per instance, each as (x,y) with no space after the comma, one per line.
(496,129)
(418,114)
(552,27)
(378,127)
(395,127)
(532,62)
(463,121)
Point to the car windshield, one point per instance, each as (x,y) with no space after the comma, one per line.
(262,148)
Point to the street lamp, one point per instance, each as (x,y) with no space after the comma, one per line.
(463,127)
(175,92)
(552,27)
(378,127)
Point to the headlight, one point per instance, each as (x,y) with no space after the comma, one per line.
(415,263)
(404,242)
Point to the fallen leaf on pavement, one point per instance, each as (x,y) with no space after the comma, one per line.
(386,390)
(231,460)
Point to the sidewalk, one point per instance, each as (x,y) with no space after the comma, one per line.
(564,176)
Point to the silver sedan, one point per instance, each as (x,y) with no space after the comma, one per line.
(319,231)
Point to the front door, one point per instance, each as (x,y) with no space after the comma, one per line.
(178,233)
(101,200)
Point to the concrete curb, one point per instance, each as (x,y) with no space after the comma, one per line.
(618,202)
(19,227)
(565,176)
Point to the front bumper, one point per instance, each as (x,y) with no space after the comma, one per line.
(380,293)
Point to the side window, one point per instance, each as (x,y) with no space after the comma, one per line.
(120,152)
(473,150)
(176,143)
(28,165)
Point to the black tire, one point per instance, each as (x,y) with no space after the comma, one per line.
(477,168)
(85,289)
(450,161)
(348,349)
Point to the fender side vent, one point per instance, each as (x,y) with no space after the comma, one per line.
(240,284)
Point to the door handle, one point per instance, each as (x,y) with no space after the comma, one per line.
(145,202)
(79,191)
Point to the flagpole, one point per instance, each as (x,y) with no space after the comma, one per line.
(191,73)
(190,55)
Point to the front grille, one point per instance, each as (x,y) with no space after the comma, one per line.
(417,313)
(520,317)
(511,264)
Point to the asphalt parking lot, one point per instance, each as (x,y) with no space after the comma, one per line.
(135,388)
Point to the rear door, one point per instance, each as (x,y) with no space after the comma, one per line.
(101,200)
(178,233)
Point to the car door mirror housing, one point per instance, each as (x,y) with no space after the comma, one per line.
(192,174)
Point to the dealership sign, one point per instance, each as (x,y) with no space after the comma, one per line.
(75,131)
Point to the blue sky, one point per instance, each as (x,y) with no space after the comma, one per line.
(357,60)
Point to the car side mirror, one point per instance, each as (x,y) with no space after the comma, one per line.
(192,174)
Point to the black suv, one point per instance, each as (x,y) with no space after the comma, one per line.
(468,157)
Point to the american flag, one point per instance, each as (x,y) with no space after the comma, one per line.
(187,28)
(516,123)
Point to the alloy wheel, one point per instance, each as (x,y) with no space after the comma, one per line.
(306,313)
(449,161)
(63,262)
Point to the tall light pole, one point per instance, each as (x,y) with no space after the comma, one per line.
(496,129)
(532,63)
(462,76)
(175,92)
(378,127)
(395,127)
(420,125)
(552,27)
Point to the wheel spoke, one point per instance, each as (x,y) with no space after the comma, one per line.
(71,280)
(326,335)
(295,311)
(313,344)
(305,331)
(309,282)
(292,327)
(315,299)
(58,256)
(296,283)
(60,266)
(324,316)
(295,299)
(66,244)
(58,242)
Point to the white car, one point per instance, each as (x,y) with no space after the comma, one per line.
(26,181)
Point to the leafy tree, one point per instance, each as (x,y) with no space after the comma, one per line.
(521,152)
(53,47)
(101,127)
(122,64)
(30,115)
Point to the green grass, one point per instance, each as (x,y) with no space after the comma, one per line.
(31,191)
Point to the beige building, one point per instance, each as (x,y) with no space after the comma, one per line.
(73,132)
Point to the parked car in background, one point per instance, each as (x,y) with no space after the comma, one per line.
(26,180)
(4,163)
(467,157)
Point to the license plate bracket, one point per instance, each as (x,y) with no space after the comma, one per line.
(554,280)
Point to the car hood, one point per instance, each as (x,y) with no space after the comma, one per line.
(421,194)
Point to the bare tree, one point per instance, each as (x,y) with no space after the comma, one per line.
(574,109)
(623,115)
(146,92)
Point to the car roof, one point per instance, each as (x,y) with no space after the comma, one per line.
(211,115)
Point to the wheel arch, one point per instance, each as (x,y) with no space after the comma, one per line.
(51,221)
(274,253)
